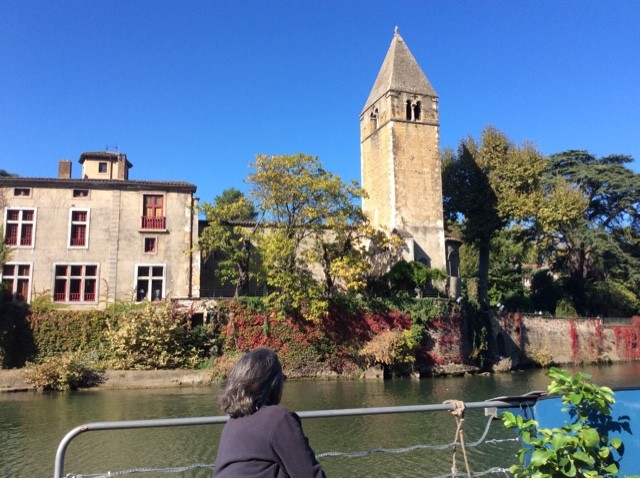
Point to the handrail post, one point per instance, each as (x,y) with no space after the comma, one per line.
(62,450)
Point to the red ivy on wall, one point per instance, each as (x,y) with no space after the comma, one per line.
(627,339)
(575,341)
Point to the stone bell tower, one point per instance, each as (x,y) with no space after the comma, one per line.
(400,156)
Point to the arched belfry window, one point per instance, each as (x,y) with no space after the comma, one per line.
(374,118)
(413,110)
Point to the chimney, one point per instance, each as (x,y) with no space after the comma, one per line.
(64,169)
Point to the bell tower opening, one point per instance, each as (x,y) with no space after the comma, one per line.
(413,110)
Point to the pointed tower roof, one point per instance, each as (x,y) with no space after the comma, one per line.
(399,72)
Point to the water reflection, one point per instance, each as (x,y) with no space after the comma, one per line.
(34,423)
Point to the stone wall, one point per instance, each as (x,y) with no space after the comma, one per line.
(447,348)
(527,339)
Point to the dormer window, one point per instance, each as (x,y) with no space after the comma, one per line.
(80,193)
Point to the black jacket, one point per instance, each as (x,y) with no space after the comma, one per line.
(268,443)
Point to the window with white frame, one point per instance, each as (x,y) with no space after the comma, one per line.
(16,282)
(150,282)
(75,283)
(20,227)
(79,229)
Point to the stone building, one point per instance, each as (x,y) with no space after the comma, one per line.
(400,156)
(99,238)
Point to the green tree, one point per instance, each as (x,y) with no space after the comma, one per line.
(488,185)
(311,215)
(601,242)
(512,255)
(228,235)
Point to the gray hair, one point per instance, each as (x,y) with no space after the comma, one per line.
(255,381)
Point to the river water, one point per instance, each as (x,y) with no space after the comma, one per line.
(32,425)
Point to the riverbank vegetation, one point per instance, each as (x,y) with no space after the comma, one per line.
(67,349)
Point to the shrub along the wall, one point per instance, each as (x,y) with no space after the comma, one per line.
(157,336)
(57,331)
(17,344)
(67,371)
(148,335)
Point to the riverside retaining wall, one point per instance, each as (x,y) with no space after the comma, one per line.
(528,338)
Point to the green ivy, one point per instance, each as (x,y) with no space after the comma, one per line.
(57,330)
(579,447)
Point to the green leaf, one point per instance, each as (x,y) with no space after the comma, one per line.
(558,441)
(616,442)
(569,469)
(575,397)
(540,457)
(508,419)
(584,457)
(590,437)
(604,452)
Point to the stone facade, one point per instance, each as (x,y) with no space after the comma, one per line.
(92,240)
(400,156)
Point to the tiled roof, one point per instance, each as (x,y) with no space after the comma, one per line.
(12,181)
(399,72)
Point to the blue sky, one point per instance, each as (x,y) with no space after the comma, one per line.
(192,90)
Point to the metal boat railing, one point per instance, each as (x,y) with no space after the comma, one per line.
(489,406)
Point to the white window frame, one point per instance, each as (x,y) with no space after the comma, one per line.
(17,277)
(82,277)
(20,222)
(149,280)
(73,223)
